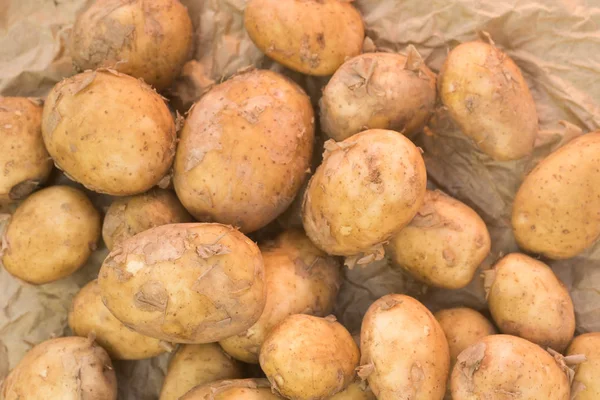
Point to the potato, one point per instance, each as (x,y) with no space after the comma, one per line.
(404,353)
(109,132)
(129,216)
(51,235)
(148,39)
(444,244)
(300,279)
(487,97)
(368,188)
(311,37)
(354,392)
(378,90)
(502,367)
(307,357)
(65,368)
(185,283)
(195,365)
(237,389)
(586,385)
(555,211)
(526,299)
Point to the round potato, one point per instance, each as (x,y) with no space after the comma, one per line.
(586,385)
(354,392)
(444,244)
(185,283)
(555,211)
(368,188)
(63,368)
(311,37)
(110,132)
(526,299)
(237,389)
(404,353)
(51,235)
(148,39)
(487,97)
(294,352)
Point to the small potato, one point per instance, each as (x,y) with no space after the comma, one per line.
(444,244)
(51,235)
(109,132)
(487,97)
(185,283)
(64,368)
(311,37)
(526,299)
(503,367)
(237,389)
(307,357)
(404,351)
(555,211)
(586,385)
(354,392)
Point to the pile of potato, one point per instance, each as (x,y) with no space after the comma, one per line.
(184,274)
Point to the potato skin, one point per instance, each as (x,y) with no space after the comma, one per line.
(236,389)
(487,97)
(148,39)
(110,132)
(555,209)
(586,385)
(404,353)
(311,37)
(185,283)
(354,392)
(65,368)
(244,150)
(51,235)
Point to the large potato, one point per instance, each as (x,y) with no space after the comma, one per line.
(312,37)
(51,235)
(185,283)
(368,188)
(526,299)
(244,150)
(487,97)
(68,368)
(555,212)
(237,389)
(586,385)
(110,132)
(404,353)
(307,357)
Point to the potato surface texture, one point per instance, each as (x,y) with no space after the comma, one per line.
(237,389)
(586,385)
(354,392)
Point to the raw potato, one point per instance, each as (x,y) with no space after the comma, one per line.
(502,367)
(555,212)
(354,392)
(368,188)
(487,97)
(307,357)
(404,351)
(185,283)
(526,299)
(237,389)
(378,90)
(311,37)
(586,385)
(67,368)
(300,279)
(444,244)
(51,235)
(110,132)
(244,150)
(148,39)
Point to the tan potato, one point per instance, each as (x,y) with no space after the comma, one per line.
(368,188)
(503,367)
(51,235)
(404,353)
(586,385)
(300,279)
(64,368)
(555,211)
(311,37)
(185,283)
(237,389)
(526,299)
(444,244)
(148,39)
(307,357)
(355,392)
(487,97)
(244,150)
(110,132)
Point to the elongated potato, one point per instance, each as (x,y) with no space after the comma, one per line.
(586,385)
(237,389)
(185,283)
